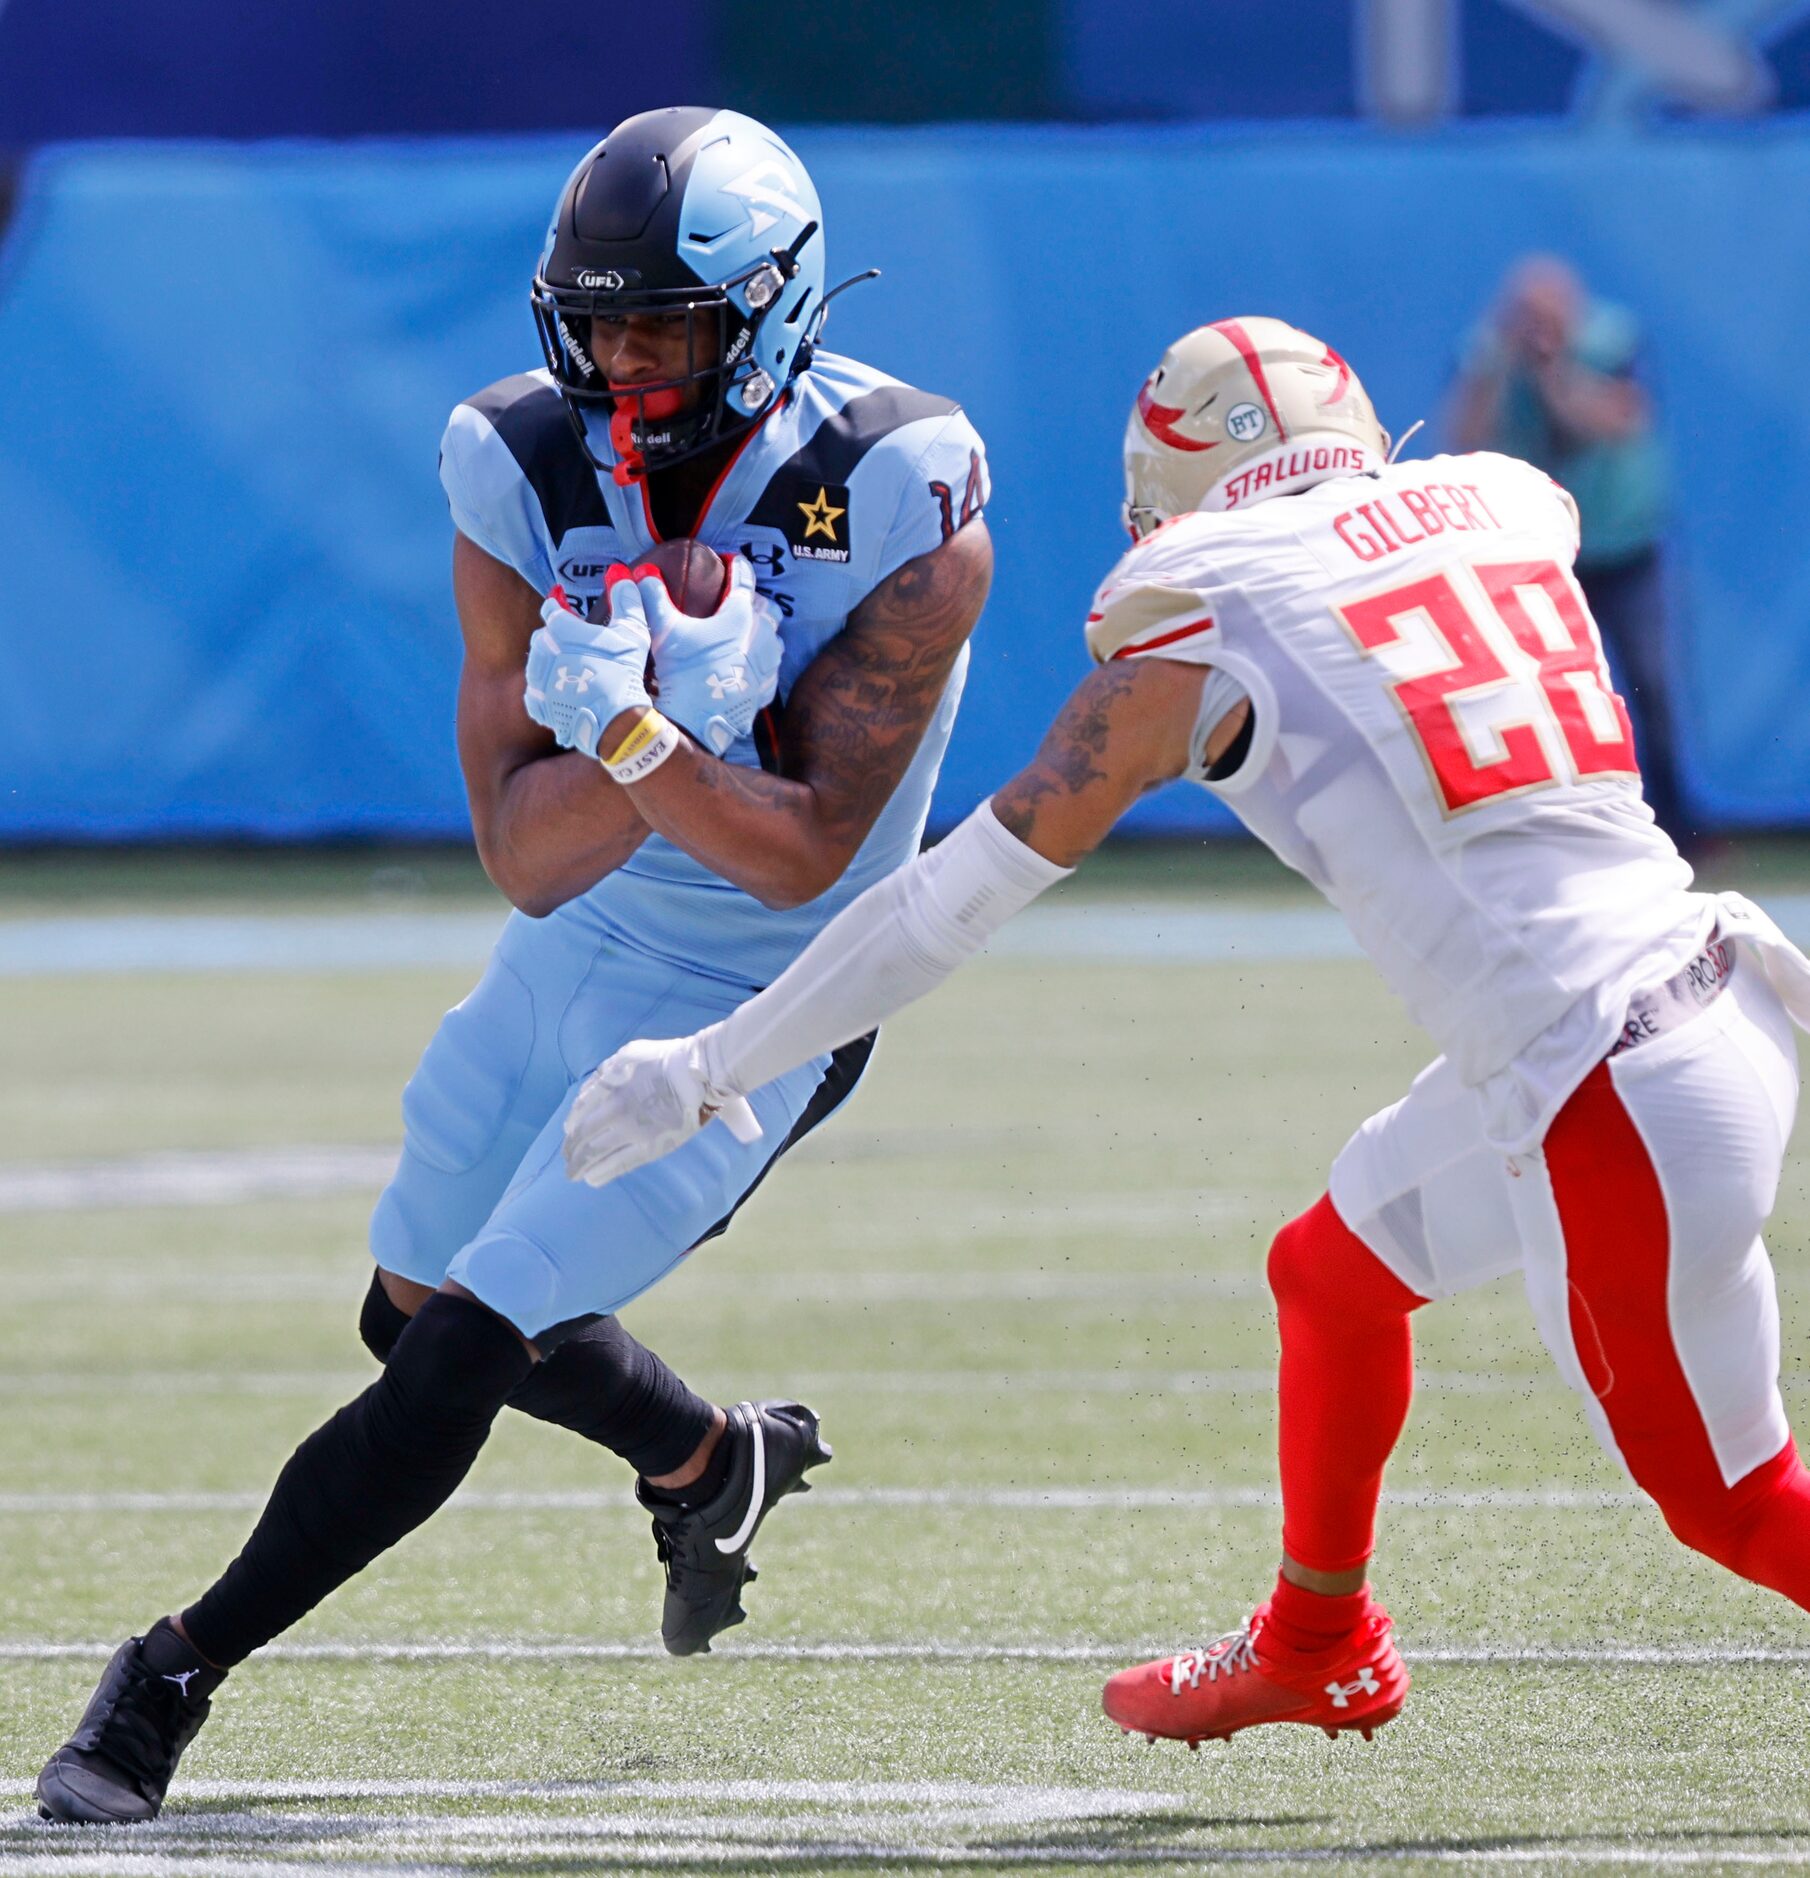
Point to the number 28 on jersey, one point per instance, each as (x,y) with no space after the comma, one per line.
(1497,669)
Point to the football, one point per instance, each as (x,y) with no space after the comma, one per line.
(694,574)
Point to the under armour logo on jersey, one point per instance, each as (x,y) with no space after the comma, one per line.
(182,1681)
(730,683)
(579,680)
(1363,1683)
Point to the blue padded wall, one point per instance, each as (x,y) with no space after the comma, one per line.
(224,605)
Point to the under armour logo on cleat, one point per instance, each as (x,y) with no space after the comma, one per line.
(579,680)
(182,1681)
(1363,1683)
(723,684)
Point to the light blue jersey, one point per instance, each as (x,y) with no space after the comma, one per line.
(853,475)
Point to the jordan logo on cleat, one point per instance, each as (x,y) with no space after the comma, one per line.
(182,1681)
(1363,1683)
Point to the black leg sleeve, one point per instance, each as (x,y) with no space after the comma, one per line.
(599,1382)
(602,1384)
(368,1477)
(380,1322)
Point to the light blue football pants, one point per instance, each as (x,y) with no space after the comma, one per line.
(481,1195)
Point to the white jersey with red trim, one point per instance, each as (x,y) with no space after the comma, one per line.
(1437,747)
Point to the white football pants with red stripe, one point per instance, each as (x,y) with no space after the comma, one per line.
(1637,1227)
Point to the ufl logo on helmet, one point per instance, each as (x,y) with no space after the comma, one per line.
(701,218)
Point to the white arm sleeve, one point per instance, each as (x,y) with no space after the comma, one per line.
(900,939)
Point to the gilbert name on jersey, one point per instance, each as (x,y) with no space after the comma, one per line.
(1436,746)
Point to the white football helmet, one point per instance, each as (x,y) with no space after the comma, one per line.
(1241,410)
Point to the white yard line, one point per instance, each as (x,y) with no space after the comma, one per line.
(1028,1801)
(312,943)
(1012,1499)
(758,1851)
(226,1177)
(1462,1656)
(131,1385)
(730,1825)
(188,943)
(1173,931)
(77,1278)
(134,1384)
(134,1860)
(636,1841)
(302,1171)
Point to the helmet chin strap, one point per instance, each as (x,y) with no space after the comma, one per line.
(632,464)
(1396,448)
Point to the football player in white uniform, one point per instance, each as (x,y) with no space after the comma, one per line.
(1389,673)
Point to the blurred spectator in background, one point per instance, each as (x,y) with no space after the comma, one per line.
(1550,377)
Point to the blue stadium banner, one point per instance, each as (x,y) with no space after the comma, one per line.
(224,601)
(340,68)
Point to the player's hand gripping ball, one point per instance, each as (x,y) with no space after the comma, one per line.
(715,639)
(643,1102)
(582,673)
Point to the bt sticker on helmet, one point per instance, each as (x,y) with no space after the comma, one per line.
(1245,422)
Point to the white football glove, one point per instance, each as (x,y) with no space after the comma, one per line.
(719,673)
(641,1104)
(584,673)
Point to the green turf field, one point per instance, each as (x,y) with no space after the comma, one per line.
(1021,1280)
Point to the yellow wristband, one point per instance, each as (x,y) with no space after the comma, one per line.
(643,750)
(647,728)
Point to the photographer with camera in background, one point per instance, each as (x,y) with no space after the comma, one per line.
(1550,377)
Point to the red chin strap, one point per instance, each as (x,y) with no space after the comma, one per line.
(631,465)
(654,405)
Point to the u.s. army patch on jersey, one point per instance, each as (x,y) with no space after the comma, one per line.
(817,522)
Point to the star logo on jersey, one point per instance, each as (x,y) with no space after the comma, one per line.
(823,535)
(821,516)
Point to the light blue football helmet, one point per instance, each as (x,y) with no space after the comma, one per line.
(684,211)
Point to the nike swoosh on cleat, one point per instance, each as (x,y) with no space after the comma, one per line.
(756,1493)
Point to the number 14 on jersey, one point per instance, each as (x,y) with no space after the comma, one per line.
(1565,703)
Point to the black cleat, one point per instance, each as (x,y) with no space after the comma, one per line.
(115,1769)
(705,1548)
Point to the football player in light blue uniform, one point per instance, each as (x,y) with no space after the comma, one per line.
(680,297)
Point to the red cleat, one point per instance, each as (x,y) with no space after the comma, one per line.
(1209,1694)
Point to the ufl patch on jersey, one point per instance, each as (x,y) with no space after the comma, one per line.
(817,522)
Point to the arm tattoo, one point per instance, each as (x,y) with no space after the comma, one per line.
(1067,763)
(857,716)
